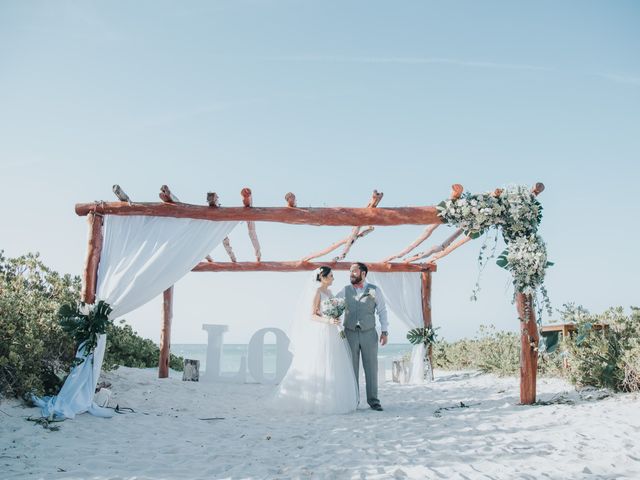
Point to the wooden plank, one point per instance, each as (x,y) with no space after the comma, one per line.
(297,266)
(165,333)
(92,260)
(298,216)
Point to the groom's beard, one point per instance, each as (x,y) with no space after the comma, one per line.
(356,280)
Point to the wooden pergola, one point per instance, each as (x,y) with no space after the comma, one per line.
(362,220)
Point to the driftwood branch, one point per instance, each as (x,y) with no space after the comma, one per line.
(247,201)
(339,216)
(376,197)
(291,199)
(166,195)
(227,246)
(331,248)
(537,189)
(426,234)
(436,248)
(450,248)
(123,197)
(212,199)
(297,266)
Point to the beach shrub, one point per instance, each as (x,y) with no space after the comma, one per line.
(606,357)
(490,351)
(126,347)
(35,352)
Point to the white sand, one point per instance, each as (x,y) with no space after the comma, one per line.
(167,437)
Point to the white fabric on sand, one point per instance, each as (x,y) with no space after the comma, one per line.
(141,257)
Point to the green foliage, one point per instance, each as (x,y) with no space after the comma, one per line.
(604,357)
(426,335)
(85,327)
(490,351)
(35,352)
(126,347)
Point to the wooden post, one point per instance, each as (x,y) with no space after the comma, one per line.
(426,309)
(528,348)
(92,260)
(165,333)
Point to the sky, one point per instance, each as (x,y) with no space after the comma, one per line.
(329,100)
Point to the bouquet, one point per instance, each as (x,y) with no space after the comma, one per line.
(333,308)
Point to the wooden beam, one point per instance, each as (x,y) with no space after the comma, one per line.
(350,240)
(165,333)
(332,247)
(92,260)
(426,310)
(528,348)
(426,234)
(298,266)
(297,216)
(435,248)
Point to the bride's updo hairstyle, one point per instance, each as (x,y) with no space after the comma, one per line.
(323,272)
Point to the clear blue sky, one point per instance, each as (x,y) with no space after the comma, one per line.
(329,100)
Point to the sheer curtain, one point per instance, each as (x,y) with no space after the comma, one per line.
(141,257)
(403,293)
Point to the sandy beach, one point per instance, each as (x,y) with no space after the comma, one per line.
(185,430)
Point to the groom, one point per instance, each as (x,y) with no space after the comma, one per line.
(362,300)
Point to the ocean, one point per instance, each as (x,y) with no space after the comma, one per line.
(233,353)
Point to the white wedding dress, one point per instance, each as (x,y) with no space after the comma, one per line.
(321,378)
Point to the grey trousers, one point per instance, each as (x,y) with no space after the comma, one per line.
(365,344)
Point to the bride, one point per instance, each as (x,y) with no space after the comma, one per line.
(321,377)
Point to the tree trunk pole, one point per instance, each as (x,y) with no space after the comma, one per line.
(92,260)
(529,348)
(426,308)
(165,333)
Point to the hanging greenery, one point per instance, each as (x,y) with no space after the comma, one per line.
(517,213)
(85,322)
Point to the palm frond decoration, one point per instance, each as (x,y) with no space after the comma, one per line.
(85,327)
(426,335)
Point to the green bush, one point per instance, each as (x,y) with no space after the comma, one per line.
(490,351)
(126,347)
(607,357)
(35,353)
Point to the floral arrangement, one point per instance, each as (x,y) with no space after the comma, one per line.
(333,308)
(517,212)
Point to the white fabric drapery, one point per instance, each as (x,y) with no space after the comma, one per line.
(403,293)
(141,257)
